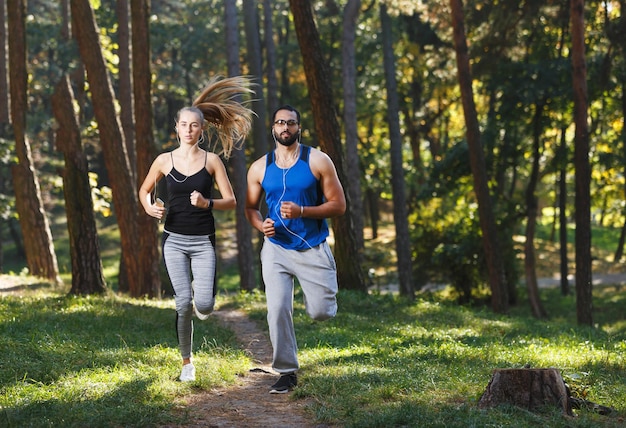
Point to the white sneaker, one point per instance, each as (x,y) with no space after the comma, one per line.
(199,314)
(188,374)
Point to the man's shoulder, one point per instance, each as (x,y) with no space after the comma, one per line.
(257,166)
(317,155)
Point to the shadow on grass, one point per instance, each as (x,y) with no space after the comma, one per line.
(89,412)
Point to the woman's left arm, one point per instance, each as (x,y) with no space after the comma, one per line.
(216,167)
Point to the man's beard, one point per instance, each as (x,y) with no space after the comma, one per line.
(287,141)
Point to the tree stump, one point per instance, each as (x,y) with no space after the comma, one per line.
(529,389)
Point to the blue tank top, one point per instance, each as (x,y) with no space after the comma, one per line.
(296,184)
(182,217)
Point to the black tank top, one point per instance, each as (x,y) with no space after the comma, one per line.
(182,217)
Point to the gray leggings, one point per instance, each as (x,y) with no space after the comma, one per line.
(190,264)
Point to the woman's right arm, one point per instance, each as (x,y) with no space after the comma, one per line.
(145,199)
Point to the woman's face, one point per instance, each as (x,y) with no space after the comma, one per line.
(189,127)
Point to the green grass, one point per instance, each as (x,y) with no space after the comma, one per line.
(101,361)
(387,362)
(382,362)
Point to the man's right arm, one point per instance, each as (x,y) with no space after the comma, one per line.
(253,199)
(253,195)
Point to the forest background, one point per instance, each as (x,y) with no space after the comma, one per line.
(464,164)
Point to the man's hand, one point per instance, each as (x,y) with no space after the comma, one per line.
(268,227)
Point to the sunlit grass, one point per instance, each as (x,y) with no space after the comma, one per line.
(382,362)
(102,361)
(387,362)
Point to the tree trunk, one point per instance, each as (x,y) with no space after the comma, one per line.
(112,140)
(619,251)
(87,276)
(530,389)
(374,211)
(584,304)
(497,281)
(40,256)
(400,215)
(562,214)
(531,220)
(125,90)
(148,251)
(245,254)
(5,101)
(255,62)
(347,255)
(353,172)
(270,57)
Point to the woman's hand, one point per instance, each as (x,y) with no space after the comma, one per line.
(157,210)
(197,200)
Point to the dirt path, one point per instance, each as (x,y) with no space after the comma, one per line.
(248,403)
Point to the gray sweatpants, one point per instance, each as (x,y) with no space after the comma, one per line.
(190,264)
(317,274)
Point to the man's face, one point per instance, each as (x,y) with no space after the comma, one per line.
(286,127)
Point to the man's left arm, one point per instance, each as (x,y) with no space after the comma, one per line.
(335,199)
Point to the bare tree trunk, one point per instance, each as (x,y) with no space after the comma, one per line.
(270,57)
(255,62)
(531,221)
(562,213)
(400,214)
(349,272)
(87,276)
(619,252)
(148,251)
(497,281)
(40,255)
(112,140)
(5,100)
(353,172)
(127,109)
(584,303)
(245,255)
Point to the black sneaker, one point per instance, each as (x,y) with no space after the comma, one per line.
(284,384)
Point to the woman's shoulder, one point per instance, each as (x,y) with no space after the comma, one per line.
(210,156)
(163,157)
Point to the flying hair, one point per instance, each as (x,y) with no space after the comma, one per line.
(222,105)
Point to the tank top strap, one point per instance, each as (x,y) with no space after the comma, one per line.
(269,159)
(304,153)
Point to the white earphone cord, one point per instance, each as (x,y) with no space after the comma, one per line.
(277,209)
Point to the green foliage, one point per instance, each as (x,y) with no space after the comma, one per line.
(446,236)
